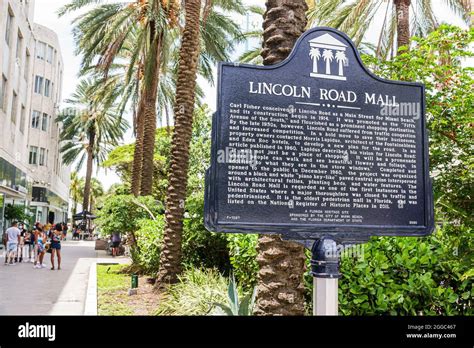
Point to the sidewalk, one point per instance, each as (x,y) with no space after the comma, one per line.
(28,291)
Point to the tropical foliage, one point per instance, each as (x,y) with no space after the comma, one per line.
(90,129)
(195,294)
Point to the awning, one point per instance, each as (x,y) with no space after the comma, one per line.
(84,215)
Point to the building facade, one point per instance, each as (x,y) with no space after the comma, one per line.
(50,178)
(32,174)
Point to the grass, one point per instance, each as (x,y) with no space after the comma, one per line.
(112,293)
(112,286)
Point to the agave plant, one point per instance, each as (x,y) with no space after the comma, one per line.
(234,306)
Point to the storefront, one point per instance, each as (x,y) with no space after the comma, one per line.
(13,190)
(47,207)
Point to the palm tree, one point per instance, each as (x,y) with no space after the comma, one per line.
(89,131)
(400,19)
(341,59)
(170,257)
(75,190)
(328,57)
(102,32)
(280,289)
(315,54)
(145,34)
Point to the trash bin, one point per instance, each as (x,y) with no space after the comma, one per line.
(134,281)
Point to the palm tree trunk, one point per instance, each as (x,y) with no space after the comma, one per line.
(74,210)
(402,9)
(90,162)
(280,289)
(91,205)
(138,151)
(170,258)
(149,108)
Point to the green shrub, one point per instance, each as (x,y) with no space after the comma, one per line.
(121,213)
(243,258)
(201,248)
(409,276)
(149,239)
(195,294)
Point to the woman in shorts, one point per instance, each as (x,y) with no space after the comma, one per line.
(116,240)
(56,235)
(40,241)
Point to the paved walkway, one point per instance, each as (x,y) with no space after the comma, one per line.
(28,291)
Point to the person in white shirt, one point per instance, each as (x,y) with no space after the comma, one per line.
(13,239)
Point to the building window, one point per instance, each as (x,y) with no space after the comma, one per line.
(39,84)
(3,92)
(47,88)
(22,119)
(19,46)
(44,122)
(42,157)
(8,29)
(35,119)
(33,155)
(14,107)
(39,194)
(27,65)
(49,54)
(41,50)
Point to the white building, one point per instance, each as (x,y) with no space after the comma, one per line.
(31,172)
(50,178)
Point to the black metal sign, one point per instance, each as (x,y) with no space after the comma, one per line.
(317,145)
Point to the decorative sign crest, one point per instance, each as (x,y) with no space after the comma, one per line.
(329,49)
(318,146)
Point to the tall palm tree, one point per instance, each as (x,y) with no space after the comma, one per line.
(75,190)
(401,19)
(280,289)
(89,131)
(113,33)
(108,28)
(170,257)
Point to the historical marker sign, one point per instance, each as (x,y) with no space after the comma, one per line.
(318,145)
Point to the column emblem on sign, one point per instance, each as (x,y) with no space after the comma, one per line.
(328,50)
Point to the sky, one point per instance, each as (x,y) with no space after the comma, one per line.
(45,14)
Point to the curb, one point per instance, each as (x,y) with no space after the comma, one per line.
(90,307)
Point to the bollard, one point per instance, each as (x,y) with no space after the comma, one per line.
(134,281)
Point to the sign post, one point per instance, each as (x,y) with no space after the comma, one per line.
(319,150)
(325,272)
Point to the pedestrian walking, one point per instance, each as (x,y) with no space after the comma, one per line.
(30,245)
(21,244)
(56,245)
(13,239)
(64,226)
(4,242)
(40,242)
(116,240)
